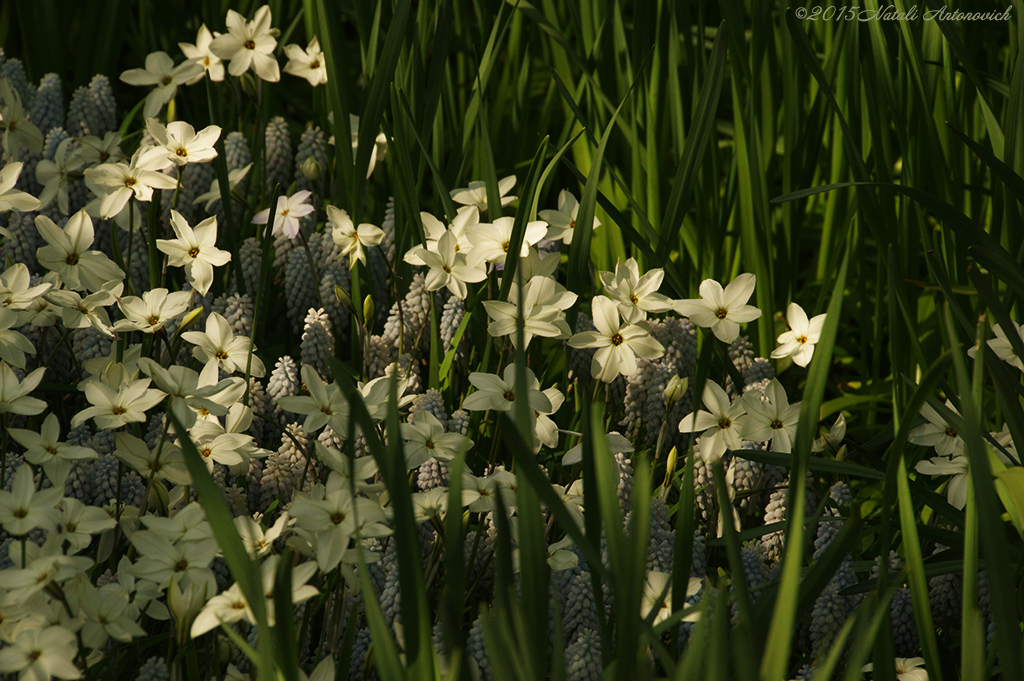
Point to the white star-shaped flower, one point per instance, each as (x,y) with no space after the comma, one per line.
(937,432)
(562,222)
(350,239)
(249,44)
(287,213)
(161,72)
(201,53)
(307,63)
(219,344)
(802,336)
(67,254)
(476,193)
(634,292)
(721,424)
(195,250)
(1002,347)
(721,311)
(182,143)
(491,241)
(152,311)
(11,198)
(771,417)
(618,342)
(448,267)
(112,408)
(499,392)
(116,183)
(54,175)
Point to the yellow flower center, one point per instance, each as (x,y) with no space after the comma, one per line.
(777,424)
(250,45)
(193,252)
(801,340)
(722,314)
(72,259)
(950,432)
(617,340)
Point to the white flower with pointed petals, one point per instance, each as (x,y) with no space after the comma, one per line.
(11,198)
(182,143)
(77,312)
(448,267)
(116,183)
(1002,347)
(93,151)
(249,44)
(213,196)
(476,194)
(24,508)
(425,438)
(13,345)
(657,597)
(112,408)
(195,250)
(325,405)
(721,424)
(54,175)
(958,467)
(40,654)
(562,222)
(15,290)
(219,344)
(307,63)
(287,213)
(491,241)
(937,432)
(618,342)
(166,462)
(544,303)
(722,311)
(616,445)
(802,336)
(152,311)
(907,669)
(632,292)
(67,254)
(45,445)
(14,397)
(201,53)
(19,132)
(351,239)
(771,417)
(499,392)
(161,72)
(434,229)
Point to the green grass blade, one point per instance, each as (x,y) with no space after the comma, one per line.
(694,147)
(777,647)
(286,645)
(243,569)
(376,100)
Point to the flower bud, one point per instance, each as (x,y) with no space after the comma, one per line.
(310,169)
(368,310)
(248,84)
(674,391)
